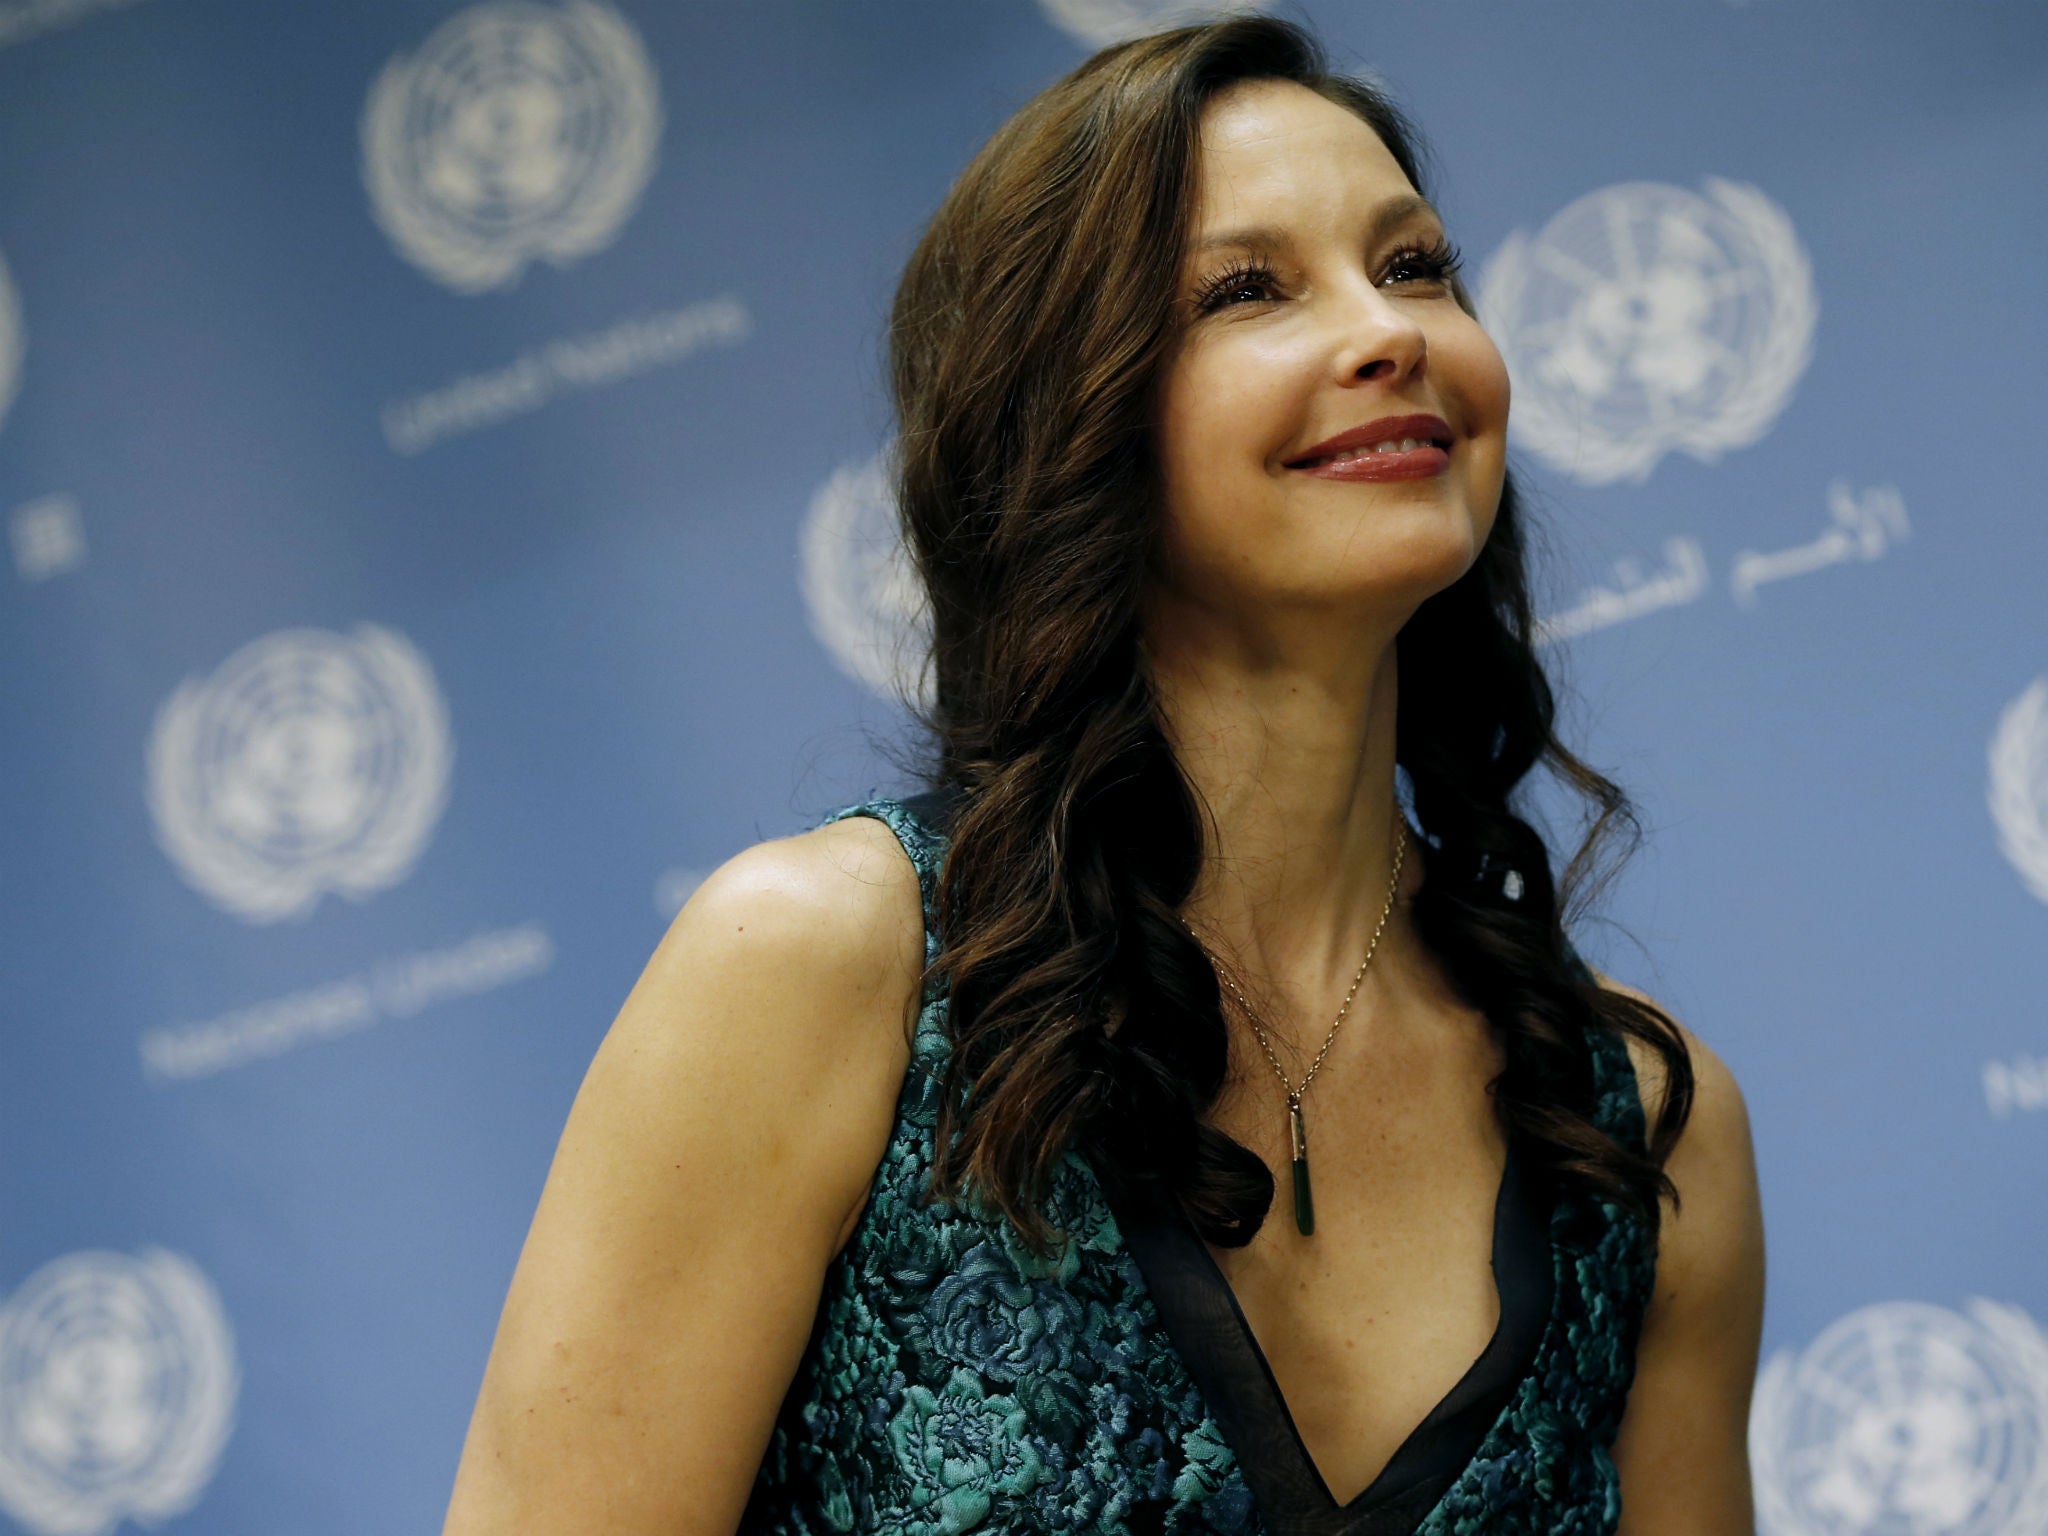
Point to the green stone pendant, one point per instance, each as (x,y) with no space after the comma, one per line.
(1304,1206)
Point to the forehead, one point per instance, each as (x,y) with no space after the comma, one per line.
(1272,149)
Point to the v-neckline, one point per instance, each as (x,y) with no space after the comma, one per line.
(1207,1327)
(1286,1485)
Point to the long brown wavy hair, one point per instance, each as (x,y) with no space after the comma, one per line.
(1027,335)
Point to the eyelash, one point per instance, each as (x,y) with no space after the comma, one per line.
(1438,259)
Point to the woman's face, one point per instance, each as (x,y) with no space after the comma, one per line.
(1302,318)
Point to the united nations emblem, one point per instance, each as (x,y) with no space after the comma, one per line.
(1909,1419)
(2019,784)
(309,762)
(519,130)
(866,603)
(10,340)
(1098,23)
(117,1392)
(1646,319)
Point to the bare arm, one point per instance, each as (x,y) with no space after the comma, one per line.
(1683,1446)
(716,1159)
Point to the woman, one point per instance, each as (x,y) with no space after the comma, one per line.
(1190,614)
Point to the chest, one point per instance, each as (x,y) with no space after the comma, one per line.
(1370,1321)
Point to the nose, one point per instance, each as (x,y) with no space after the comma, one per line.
(1376,338)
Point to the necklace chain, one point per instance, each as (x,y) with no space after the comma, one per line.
(1293,1093)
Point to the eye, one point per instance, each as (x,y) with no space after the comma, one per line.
(1434,262)
(1223,289)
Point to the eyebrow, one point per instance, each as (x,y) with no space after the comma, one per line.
(1260,237)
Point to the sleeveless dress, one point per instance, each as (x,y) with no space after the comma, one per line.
(954,1382)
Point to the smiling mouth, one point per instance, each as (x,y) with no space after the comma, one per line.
(1391,446)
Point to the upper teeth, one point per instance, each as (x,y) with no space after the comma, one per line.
(1390,446)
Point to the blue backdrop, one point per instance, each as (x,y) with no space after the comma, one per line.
(438,454)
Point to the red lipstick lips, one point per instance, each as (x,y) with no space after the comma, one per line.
(1432,458)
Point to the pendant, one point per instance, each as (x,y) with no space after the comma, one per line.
(1304,1206)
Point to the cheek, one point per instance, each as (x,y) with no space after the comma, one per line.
(1494,372)
(1228,409)
(1481,374)
(1216,426)
(1497,391)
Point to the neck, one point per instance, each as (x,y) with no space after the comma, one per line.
(1294,766)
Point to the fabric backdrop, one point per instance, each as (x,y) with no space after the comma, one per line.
(439,462)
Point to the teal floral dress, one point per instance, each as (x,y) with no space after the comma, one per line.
(953,1382)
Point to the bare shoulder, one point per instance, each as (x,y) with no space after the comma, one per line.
(841,899)
(798,959)
(736,1110)
(813,945)
(1716,1095)
(1681,1449)
(1711,1249)
(794,967)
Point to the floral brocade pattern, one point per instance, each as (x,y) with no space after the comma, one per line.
(953,1383)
